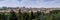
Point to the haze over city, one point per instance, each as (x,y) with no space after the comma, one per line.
(31,3)
(29,9)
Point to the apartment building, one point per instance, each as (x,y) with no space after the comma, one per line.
(46,10)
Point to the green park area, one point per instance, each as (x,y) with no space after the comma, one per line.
(52,15)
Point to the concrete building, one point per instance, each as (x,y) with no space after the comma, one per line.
(45,10)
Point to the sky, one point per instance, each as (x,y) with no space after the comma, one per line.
(31,3)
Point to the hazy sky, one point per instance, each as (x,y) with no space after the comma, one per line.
(30,3)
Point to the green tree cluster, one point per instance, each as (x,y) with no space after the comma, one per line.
(52,15)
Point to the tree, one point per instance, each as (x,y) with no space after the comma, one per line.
(20,14)
(19,11)
(4,7)
(4,16)
(26,16)
(54,11)
(12,15)
(39,15)
(32,16)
